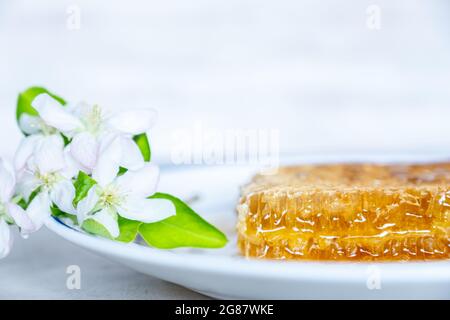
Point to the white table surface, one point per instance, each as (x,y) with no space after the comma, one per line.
(36,269)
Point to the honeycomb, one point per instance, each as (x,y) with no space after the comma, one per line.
(347,212)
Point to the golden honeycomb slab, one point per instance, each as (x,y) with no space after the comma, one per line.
(347,212)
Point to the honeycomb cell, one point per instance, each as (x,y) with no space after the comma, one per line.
(347,212)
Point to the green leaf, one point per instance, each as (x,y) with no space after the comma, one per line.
(66,140)
(185,229)
(122,171)
(23,203)
(92,226)
(26,97)
(128,229)
(33,195)
(82,186)
(143,144)
(60,214)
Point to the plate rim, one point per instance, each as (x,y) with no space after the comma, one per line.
(421,271)
(433,271)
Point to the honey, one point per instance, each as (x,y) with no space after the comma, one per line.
(347,212)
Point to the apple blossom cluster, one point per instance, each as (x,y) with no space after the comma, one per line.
(64,143)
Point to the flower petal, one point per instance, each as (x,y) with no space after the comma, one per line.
(30,124)
(7,181)
(25,151)
(134,121)
(5,239)
(49,154)
(141,182)
(108,163)
(105,138)
(84,149)
(21,219)
(39,210)
(72,167)
(62,196)
(81,110)
(146,210)
(87,205)
(109,220)
(27,184)
(131,155)
(54,114)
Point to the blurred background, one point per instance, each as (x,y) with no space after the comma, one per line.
(336,77)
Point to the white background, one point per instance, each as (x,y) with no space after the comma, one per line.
(315,72)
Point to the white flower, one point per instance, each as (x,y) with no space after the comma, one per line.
(32,125)
(36,130)
(88,126)
(126,195)
(26,149)
(47,172)
(10,212)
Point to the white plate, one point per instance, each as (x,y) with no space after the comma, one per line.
(224,274)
